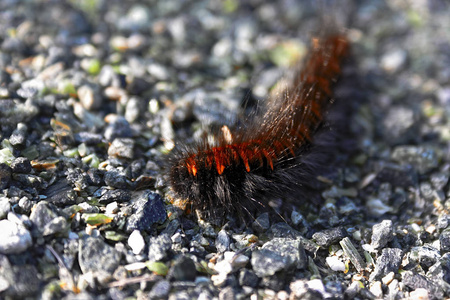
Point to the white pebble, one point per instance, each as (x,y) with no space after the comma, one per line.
(335,263)
(14,238)
(136,242)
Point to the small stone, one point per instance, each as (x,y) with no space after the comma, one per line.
(57,225)
(21,165)
(5,207)
(417,281)
(426,256)
(136,242)
(21,282)
(137,18)
(158,247)
(376,207)
(122,147)
(289,248)
(112,208)
(382,233)
(443,222)
(419,294)
(424,159)
(118,128)
(399,124)
(183,269)
(95,255)
(301,290)
(19,135)
(248,278)
(328,237)
(160,290)
(14,238)
(262,223)
(148,209)
(115,196)
(60,193)
(376,289)
(158,71)
(388,278)
(133,109)
(115,179)
(267,262)
(88,138)
(222,241)
(444,239)
(389,261)
(335,263)
(393,60)
(5,175)
(89,97)
(353,290)
(42,215)
(227,293)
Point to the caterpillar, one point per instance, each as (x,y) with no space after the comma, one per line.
(268,156)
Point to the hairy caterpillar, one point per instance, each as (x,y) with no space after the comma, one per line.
(268,156)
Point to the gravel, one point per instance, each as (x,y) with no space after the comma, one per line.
(95,95)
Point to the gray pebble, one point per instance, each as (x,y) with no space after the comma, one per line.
(328,237)
(443,222)
(444,239)
(398,124)
(60,193)
(13,112)
(149,209)
(21,165)
(29,180)
(19,135)
(426,256)
(183,269)
(122,147)
(227,293)
(42,215)
(222,241)
(301,290)
(262,223)
(5,207)
(266,262)
(57,225)
(14,238)
(389,261)
(95,255)
(158,247)
(88,138)
(382,233)
(160,290)
(282,229)
(107,77)
(138,18)
(416,281)
(393,60)
(115,195)
(248,278)
(133,109)
(115,179)
(119,128)
(21,281)
(25,204)
(5,175)
(422,158)
(289,248)
(90,97)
